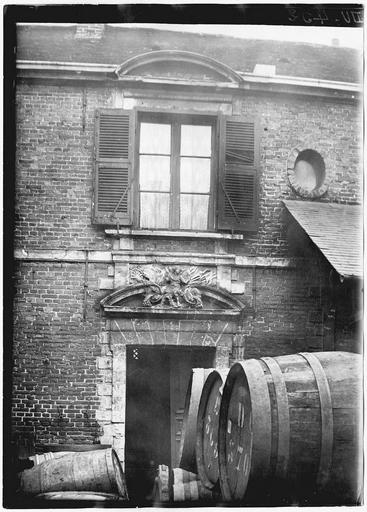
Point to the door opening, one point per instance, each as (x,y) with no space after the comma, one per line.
(156,383)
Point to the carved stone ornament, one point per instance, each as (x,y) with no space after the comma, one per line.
(171,286)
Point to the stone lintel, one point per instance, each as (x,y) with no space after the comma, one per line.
(142,257)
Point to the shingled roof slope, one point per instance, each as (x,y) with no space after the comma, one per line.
(336,229)
(53,43)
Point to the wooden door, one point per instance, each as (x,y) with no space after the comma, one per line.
(147,418)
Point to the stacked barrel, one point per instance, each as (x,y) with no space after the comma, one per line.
(272,431)
(283,430)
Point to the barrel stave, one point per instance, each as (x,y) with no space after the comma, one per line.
(304,419)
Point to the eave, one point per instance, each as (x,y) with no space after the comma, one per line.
(76,71)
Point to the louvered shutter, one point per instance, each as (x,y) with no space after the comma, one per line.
(238,168)
(113,177)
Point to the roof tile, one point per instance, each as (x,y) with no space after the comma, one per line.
(336,229)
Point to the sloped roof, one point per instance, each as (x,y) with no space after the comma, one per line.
(336,229)
(117,44)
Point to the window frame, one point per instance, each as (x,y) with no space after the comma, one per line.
(234,191)
(175,119)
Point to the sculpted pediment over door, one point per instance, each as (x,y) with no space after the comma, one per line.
(179,65)
(172,292)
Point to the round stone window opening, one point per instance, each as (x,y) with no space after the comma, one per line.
(306,173)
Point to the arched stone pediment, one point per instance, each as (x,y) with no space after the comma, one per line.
(174,64)
(199,302)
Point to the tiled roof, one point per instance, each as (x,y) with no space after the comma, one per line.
(336,229)
(117,44)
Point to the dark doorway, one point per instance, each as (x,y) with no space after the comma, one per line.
(156,383)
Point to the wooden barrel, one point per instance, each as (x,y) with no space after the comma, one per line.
(292,424)
(78,496)
(98,471)
(191,491)
(208,427)
(188,436)
(182,476)
(43,457)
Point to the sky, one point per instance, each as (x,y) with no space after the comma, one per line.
(348,37)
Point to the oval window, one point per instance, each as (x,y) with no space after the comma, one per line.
(306,173)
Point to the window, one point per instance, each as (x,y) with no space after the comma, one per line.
(175,171)
(307,173)
(309,169)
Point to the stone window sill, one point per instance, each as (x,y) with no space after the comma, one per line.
(127,232)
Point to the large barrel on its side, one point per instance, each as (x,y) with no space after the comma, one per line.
(43,457)
(98,471)
(208,427)
(188,435)
(290,426)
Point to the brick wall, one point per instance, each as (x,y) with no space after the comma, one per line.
(289,308)
(55,352)
(55,168)
(55,140)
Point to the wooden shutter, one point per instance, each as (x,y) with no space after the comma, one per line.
(238,168)
(113,176)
